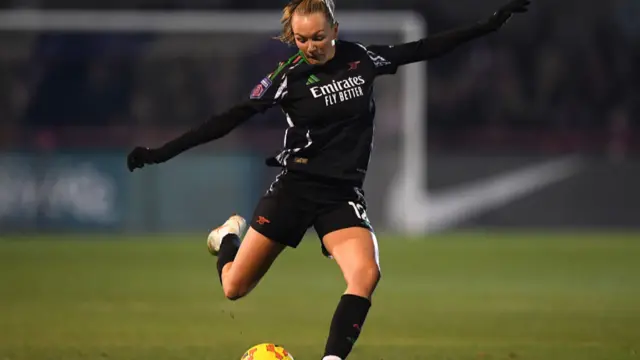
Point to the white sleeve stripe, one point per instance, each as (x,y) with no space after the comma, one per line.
(282,90)
(378,60)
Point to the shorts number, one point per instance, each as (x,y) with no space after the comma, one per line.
(360,211)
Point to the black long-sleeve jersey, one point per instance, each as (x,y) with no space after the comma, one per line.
(329,108)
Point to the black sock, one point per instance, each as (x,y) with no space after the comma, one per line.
(228,249)
(346,325)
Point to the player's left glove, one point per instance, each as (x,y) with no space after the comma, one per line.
(141,156)
(503,14)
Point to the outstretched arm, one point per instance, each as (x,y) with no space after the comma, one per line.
(212,129)
(266,94)
(444,42)
(437,44)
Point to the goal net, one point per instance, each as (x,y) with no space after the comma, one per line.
(137,76)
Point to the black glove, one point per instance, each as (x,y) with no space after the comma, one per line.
(141,156)
(503,14)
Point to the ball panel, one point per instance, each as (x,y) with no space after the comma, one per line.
(267,351)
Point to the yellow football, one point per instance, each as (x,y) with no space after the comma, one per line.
(267,351)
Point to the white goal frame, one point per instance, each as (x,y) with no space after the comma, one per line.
(407,194)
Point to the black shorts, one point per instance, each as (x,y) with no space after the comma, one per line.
(296,202)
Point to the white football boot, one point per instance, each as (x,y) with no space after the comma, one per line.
(236,224)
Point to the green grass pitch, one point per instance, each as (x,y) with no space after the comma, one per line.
(530,296)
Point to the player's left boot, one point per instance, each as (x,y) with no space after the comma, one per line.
(236,225)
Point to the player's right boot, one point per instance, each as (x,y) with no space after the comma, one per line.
(236,224)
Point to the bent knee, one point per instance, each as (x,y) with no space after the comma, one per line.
(364,279)
(371,274)
(234,290)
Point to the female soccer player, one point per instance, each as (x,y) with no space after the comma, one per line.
(325,91)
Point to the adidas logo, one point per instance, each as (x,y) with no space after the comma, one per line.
(312,80)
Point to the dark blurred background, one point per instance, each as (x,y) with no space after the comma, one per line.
(560,80)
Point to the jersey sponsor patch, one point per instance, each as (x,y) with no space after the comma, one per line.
(259,90)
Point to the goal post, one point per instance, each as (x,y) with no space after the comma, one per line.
(409,179)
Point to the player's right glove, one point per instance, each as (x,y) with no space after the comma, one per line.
(141,156)
(503,14)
